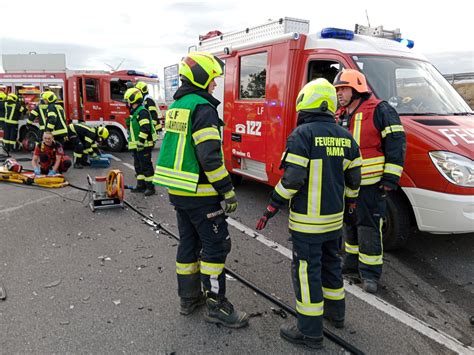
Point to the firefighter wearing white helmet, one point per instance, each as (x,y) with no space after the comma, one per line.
(150,105)
(321,178)
(13,111)
(377,129)
(140,141)
(191,166)
(56,117)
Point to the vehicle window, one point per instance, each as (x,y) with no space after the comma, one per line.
(117,89)
(57,89)
(253,75)
(326,69)
(29,94)
(411,86)
(92,90)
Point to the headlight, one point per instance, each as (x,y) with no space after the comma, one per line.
(454,167)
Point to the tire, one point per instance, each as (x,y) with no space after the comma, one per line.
(236,179)
(32,136)
(116,140)
(398,224)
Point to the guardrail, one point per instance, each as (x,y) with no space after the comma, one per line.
(452,78)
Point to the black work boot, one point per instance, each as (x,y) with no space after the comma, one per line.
(336,322)
(370,286)
(188,305)
(291,333)
(140,187)
(150,189)
(223,312)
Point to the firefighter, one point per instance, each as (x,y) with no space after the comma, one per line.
(3,98)
(40,113)
(377,129)
(85,141)
(13,111)
(140,141)
(49,157)
(321,178)
(56,118)
(150,105)
(191,166)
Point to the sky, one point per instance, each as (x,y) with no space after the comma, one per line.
(149,35)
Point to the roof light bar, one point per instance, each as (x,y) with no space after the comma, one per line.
(339,33)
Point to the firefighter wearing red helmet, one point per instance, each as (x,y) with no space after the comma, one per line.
(14,108)
(140,141)
(191,166)
(377,129)
(321,179)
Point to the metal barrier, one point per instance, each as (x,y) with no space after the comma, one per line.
(452,78)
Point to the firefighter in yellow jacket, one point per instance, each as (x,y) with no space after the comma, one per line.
(321,180)
(191,166)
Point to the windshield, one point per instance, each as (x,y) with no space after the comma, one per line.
(411,86)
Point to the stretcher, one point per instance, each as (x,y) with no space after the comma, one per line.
(29,178)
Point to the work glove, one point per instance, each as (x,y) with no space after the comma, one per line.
(350,215)
(230,201)
(37,170)
(52,172)
(269,213)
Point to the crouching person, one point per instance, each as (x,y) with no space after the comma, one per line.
(49,157)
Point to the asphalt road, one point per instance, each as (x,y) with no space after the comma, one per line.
(104,282)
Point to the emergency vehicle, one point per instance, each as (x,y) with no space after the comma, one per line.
(267,65)
(93,96)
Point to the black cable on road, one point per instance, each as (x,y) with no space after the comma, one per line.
(327,333)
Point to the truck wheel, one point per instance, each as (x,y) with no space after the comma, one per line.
(116,140)
(29,137)
(236,179)
(397,226)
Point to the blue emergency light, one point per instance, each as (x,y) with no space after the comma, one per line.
(406,42)
(339,33)
(140,73)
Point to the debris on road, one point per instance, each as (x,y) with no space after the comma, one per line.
(53,284)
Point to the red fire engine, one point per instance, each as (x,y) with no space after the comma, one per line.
(94,96)
(267,65)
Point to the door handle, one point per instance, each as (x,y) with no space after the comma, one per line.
(236,137)
(88,117)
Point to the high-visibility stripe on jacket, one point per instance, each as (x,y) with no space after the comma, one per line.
(141,129)
(40,113)
(56,120)
(322,169)
(177,167)
(377,161)
(150,105)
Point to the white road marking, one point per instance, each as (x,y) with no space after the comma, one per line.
(130,166)
(440,337)
(115,158)
(11,209)
(417,324)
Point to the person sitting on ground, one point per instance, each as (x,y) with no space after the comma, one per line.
(49,157)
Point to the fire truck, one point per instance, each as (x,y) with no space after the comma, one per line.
(93,96)
(267,65)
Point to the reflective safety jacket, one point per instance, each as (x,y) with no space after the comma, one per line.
(87,135)
(150,105)
(2,112)
(322,172)
(56,120)
(191,164)
(13,111)
(141,131)
(40,112)
(377,129)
